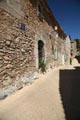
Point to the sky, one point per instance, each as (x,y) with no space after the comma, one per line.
(67,13)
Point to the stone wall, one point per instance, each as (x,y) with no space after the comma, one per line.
(13,7)
(19,48)
(73,48)
(16,49)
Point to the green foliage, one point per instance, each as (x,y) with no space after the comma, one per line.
(42,65)
(77,42)
(70,61)
(78,49)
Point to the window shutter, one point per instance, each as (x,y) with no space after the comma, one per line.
(55,54)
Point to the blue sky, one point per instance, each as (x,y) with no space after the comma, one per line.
(67,13)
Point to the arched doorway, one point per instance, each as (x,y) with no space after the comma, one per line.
(41,53)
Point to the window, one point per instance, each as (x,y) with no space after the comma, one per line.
(39,8)
(40,12)
(55,54)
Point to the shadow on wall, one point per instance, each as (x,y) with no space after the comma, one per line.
(70,92)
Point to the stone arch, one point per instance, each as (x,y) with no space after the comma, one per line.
(39,38)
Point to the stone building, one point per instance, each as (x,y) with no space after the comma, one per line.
(68,50)
(29,33)
(73,49)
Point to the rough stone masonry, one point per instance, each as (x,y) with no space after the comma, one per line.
(19,48)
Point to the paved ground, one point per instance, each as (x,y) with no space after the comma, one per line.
(39,101)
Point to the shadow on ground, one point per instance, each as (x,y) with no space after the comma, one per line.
(70,92)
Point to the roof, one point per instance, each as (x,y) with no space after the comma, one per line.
(61,32)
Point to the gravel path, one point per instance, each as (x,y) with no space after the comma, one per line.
(39,101)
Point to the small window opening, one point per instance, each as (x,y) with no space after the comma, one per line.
(39,9)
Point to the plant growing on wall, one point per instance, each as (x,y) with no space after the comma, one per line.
(42,65)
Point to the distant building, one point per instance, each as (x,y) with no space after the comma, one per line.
(73,49)
(68,50)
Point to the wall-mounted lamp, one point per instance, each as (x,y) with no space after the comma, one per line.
(56,28)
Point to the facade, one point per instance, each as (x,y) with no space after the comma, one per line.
(73,49)
(28,33)
(68,50)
